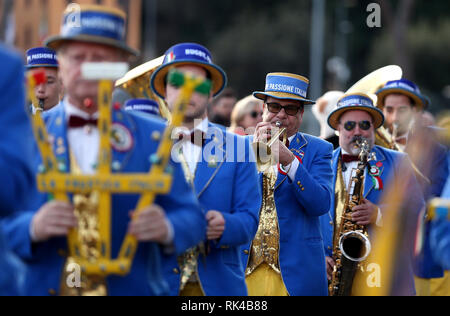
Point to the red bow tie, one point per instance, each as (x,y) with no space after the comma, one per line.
(77,122)
(401,141)
(349,158)
(195,137)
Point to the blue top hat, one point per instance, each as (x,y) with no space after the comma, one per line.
(285,86)
(143,105)
(41,57)
(356,102)
(188,54)
(93,24)
(404,87)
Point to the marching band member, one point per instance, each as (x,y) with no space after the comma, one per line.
(15,159)
(402,104)
(38,234)
(356,116)
(286,257)
(221,169)
(45,59)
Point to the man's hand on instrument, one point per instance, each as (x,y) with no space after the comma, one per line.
(330,267)
(216,225)
(263,132)
(366,213)
(54,219)
(151,226)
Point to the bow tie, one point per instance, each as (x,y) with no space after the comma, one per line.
(349,158)
(195,137)
(77,122)
(401,141)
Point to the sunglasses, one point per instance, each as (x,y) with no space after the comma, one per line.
(290,109)
(255,114)
(364,125)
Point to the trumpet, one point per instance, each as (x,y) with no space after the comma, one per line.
(263,151)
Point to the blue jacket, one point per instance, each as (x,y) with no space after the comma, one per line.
(45,260)
(389,162)
(16,148)
(435,167)
(230,187)
(299,206)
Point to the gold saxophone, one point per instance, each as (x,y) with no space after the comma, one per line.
(352,244)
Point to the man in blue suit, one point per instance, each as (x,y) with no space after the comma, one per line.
(286,257)
(16,145)
(38,233)
(222,171)
(403,104)
(356,116)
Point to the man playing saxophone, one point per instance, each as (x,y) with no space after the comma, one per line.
(286,257)
(357,118)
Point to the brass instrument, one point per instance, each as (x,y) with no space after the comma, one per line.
(384,139)
(370,85)
(263,151)
(353,246)
(137,83)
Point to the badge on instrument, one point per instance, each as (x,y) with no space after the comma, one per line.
(121,138)
(375,173)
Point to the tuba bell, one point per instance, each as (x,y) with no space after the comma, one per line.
(136,84)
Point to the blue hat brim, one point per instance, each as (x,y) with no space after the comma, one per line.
(55,42)
(383,93)
(41,66)
(377,115)
(158,80)
(282,96)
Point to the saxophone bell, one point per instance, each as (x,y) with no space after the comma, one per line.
(355,246)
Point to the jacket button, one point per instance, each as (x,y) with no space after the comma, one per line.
(246,252)
(176,271)
(52,292)
(62,253)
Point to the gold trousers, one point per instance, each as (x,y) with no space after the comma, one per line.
(264,281)
(433,287)
(192,290)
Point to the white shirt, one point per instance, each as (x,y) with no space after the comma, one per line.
(347,175)
(293,167)
(193,153)
(84,142)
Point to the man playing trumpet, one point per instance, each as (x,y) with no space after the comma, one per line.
(285,257)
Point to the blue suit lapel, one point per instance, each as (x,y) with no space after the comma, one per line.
(212,159)
(335,162)
(369,185)
(57,131)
